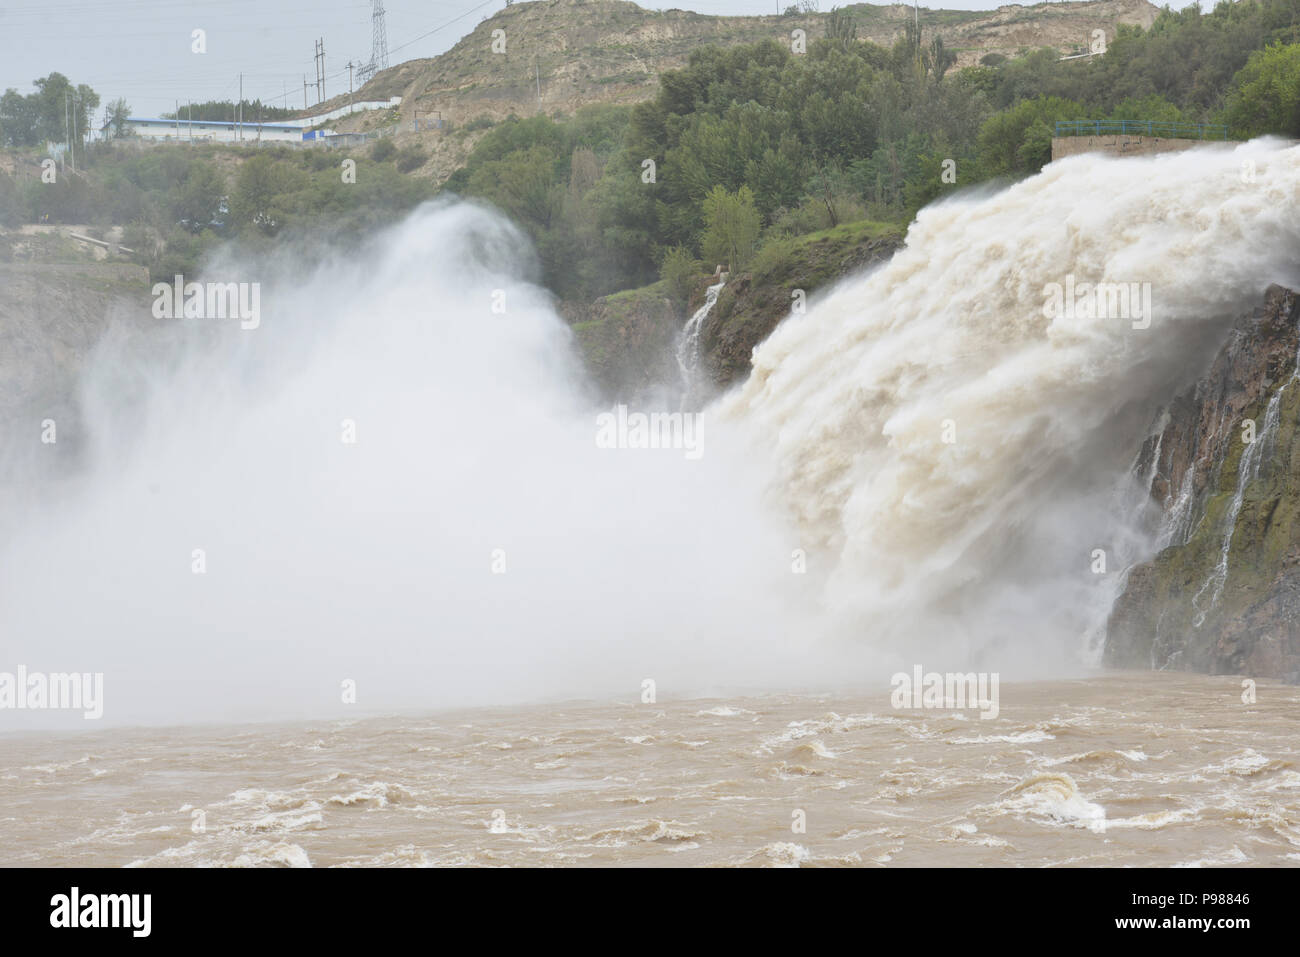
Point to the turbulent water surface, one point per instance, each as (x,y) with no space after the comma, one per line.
(1117,770)
(394,486)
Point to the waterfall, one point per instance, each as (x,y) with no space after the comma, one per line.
(373,489)
(1247,471)
(688,343)
(948,444)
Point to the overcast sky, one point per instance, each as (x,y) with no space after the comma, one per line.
(140,49)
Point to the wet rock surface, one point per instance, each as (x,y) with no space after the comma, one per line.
(1223,594)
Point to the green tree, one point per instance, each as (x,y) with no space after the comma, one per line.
(118,115)
(61,105)
(524,183)
(1265,95)
(938,59)
(199,200)
(731,227)
(18,120)
(262,197)
(678,270)
(254,111)
(1153,109)
(410,158)
(1018,141)
(57,112)
(841,29)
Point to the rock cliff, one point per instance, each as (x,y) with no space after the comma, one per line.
(1223,594)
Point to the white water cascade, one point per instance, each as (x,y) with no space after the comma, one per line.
(688,342)
(949,446)
(1247,471)
(920,467)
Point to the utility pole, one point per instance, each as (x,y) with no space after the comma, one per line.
(349,86)
(304,91)
(239,130)
(320,69)
(378,43)
(70,126)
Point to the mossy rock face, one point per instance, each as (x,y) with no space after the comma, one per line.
(753,303)
(627,341)
(1187,609)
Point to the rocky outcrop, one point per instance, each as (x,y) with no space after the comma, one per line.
(567,53)
(1223,594)
(627,341)
(752,304)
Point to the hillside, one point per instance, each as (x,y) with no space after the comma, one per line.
(561,55)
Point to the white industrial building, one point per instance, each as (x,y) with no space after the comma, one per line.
(211,131)
(230,131)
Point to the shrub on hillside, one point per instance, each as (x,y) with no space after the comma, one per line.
(679,270)
(410,158)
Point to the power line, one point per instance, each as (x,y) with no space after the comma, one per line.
(379,49)
(444,26)
(402,46)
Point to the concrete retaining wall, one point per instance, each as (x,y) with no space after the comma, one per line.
(1125,144)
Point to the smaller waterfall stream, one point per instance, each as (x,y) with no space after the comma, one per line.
(1247,472)
(688,343)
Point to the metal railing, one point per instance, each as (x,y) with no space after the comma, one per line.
(1182,131)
